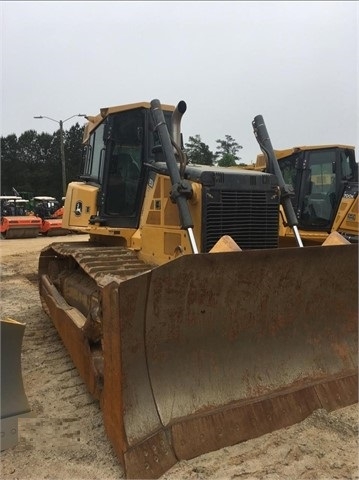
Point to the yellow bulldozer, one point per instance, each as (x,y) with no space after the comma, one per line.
(324,183)
(183,317)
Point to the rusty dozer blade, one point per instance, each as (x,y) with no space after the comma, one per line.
(214,349)
(210,350)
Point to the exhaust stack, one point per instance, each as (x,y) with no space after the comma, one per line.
(176,122)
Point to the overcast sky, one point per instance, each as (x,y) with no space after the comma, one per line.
(295,63)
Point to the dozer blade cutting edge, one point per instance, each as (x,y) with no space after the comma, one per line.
(211,350)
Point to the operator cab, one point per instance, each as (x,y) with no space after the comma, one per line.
(319,177)
(114,160)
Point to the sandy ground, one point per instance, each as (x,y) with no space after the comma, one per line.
(65,439)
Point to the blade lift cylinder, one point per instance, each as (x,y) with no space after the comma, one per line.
(262,136)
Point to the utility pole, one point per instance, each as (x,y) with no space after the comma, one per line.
(63,162)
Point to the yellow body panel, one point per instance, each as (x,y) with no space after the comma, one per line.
(162,238)
(79,194)
(347,218)
(159,237)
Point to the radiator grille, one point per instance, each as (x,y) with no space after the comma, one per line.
(250,218)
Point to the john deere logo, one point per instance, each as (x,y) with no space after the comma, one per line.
(78,208)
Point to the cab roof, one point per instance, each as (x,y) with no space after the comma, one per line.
(95,120)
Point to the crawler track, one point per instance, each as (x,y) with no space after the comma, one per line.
(102,264)
(73,274)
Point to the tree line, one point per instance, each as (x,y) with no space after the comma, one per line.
(31,163)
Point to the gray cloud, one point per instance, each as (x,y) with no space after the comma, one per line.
(295,63)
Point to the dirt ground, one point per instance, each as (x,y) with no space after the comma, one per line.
(65,438)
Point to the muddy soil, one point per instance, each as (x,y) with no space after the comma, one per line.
(65,438)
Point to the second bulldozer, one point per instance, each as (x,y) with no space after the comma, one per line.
(183,317)
(324,179)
